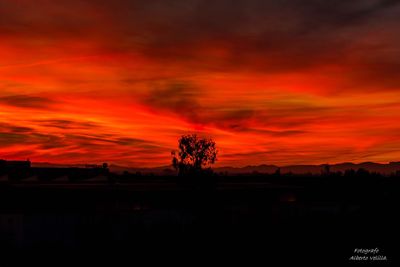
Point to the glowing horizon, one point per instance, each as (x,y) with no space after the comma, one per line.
(272,82)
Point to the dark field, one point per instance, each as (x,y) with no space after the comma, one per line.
(249,217)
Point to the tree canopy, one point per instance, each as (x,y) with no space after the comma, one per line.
(194,154)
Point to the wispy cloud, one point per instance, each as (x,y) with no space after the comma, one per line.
(26,101)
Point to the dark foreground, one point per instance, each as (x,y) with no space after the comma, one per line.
(302,219)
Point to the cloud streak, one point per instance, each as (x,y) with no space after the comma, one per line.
(26,101)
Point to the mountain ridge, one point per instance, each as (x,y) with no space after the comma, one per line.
(384,168)
(387,168)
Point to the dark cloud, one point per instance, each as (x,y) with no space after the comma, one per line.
(225,35)
(26,101)
(61,146)
(276,133)
(264,35)
(44,141)
(6,127)
(7,138)
(178,97)
(48,141)
(46,19)
(182,99)
(288,112)
(175,29)
(67,124)
(127,141)
(101,141)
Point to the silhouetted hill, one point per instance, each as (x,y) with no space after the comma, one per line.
(248,169)
(162,170)
(389,168)
(56,165)
(370,166)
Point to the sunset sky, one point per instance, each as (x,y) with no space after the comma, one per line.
(275,82)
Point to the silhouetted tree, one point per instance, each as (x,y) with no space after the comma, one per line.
(326,170)
(194,154)
(362,172)
(349,173)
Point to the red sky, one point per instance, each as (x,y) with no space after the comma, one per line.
(275,82)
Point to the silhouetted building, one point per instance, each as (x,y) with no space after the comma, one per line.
(22,170)
(15,169)
(14,164)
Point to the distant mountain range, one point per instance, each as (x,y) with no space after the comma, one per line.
(389,168)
